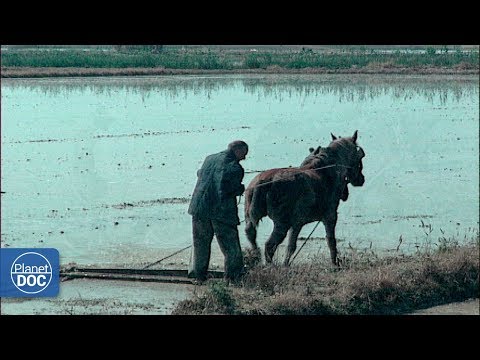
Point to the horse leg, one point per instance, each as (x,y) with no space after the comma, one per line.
(330,235)
(292,243)
(276,237)
(251,232)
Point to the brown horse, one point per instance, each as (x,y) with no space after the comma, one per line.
(293,197)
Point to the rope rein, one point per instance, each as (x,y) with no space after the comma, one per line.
(308,237)
(166,257)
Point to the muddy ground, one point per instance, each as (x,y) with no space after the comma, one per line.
(103,297)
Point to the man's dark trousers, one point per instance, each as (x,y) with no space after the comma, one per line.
(228,240)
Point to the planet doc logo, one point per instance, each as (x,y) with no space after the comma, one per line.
(32,272)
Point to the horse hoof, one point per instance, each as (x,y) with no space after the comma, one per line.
(252,257)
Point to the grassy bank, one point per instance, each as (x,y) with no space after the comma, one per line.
(364,285)
(105,62)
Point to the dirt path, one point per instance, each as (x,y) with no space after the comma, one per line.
(469,307)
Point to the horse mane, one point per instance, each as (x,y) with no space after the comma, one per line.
(322,156)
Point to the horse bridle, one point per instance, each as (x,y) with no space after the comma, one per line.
(361,155)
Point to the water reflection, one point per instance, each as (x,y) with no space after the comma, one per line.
(348,88)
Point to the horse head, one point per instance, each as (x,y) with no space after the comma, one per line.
(350,155)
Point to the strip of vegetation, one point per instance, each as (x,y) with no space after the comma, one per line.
(307,59)
(215,59)
(115,59)
(364,285)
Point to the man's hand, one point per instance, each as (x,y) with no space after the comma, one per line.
(241,190)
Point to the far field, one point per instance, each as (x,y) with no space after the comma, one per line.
(41,61)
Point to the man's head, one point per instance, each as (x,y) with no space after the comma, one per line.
(239,148)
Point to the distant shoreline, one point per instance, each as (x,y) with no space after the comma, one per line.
(47,72)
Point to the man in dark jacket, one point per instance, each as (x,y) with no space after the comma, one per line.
(214,211)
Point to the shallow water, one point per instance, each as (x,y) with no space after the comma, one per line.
(103,168)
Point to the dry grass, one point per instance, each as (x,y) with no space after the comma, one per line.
(364,285)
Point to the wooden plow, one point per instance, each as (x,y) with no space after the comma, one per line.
(164,275)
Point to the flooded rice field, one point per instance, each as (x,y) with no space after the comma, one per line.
(103,168)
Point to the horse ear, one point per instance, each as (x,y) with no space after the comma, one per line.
(311,149)
(317,151)
(333,137)
(354,137)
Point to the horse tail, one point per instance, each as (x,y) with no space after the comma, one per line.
(255,209)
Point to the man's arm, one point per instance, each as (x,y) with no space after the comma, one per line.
(232,180)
